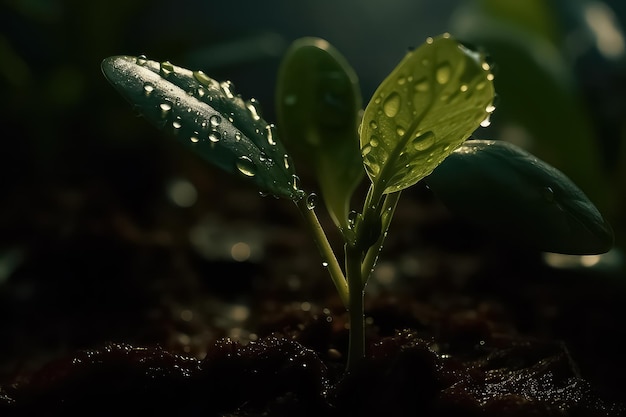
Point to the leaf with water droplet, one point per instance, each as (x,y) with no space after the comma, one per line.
(443,97)
(208,118)
(501,187)
(318,102)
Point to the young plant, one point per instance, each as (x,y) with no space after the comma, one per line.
(417,120)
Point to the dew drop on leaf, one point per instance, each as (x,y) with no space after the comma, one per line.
(252,109)
(421,85)
(424,141)
(443,73)
(166,108)
(227,88)
(373,141)
(141,60)
(486,122)
(295,182)
(391,105)
(166,69)
(352,217)
(270,136)
(373,124)
(286,161)
(176,124)
(195,137)
(246,166)
(148,88)
(215,120)
(237,136)
(214,136)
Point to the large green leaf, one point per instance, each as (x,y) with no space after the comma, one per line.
(207,117)
(431,102)
(501,187)
(318,103)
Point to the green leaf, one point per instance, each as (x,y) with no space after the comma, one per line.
(504,188)
(207,117)
(431,102)
(318,103)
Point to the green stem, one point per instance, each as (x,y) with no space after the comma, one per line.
(356,312)
(336,274)
(371,256)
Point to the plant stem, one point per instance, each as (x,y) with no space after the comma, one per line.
(371,256)
(328,256)
(356,345)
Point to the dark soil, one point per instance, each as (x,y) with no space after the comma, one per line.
(111,309)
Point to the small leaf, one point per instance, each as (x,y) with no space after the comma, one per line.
(431,102)
(207,117)
(504,188)
(318,102)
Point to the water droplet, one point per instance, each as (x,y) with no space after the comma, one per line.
(166,69)
(401,80)
(480,85)
(227,88)
(485,66)
(352,218)
(463,88)
(215,120)
(373,124)
(237,136)
(325,264)
(200,92)
(311,201)
(295,182)
(391,105)
(421,85)
(246,166)
(373,141)
(429,40)
(166,108)
(490,108)
(214,136)
(487,121)
(202,78)
(286,161)
(365,150)
(251,105)
(148,88)
(443,73)
(490,77)
(177,124)
(141,60)
(377,100)
(270,136)
(400,131)
(195,137)
(423,141)
(548,194)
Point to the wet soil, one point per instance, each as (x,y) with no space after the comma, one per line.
(117,305)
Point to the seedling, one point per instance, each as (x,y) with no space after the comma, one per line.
(414,128)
